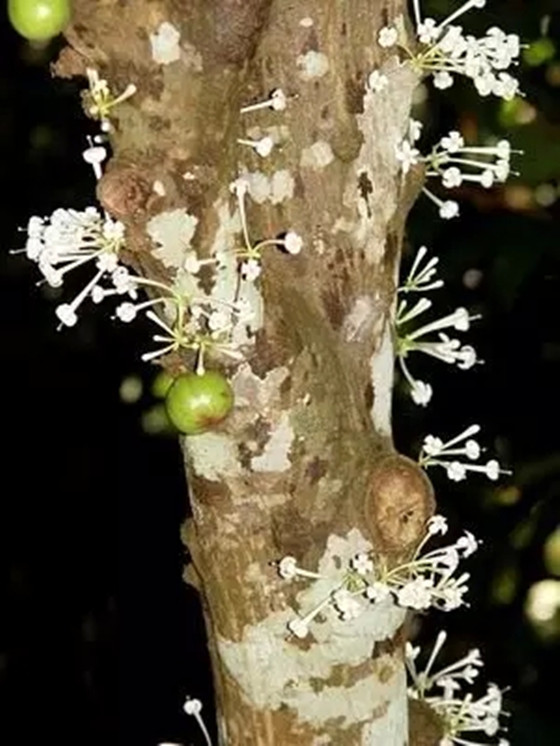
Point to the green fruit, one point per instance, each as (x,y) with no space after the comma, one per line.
(161,384)
(198,402)
(39,20)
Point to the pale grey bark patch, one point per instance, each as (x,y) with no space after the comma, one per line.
(165,44)
(172,233)
(317,156)
(213,456)
(312,65)
(273,671)
(382,375)
(276,454)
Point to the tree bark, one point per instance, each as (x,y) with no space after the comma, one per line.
(305,464)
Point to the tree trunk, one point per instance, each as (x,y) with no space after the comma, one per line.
(305,465)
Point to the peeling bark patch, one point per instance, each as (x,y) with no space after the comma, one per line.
(391,724)
(382,374)
(276,188)
(317,156)
(172,232)
(275,456)
(312,65)
(165,44)
(358,323)
(213,456)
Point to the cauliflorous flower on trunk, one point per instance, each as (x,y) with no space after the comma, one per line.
(448,455)
(99,99)
(427,580)
(445,52)
(68,240)
(448,350)
(461,714)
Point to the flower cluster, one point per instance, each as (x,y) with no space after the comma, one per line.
(443,348)
(249,257)
(69,239)
(446,51)
(99,99)
(426,580)
(455,163)
(459,714)
(435,452)
(198,324)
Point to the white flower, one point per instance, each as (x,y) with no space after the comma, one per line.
(443,80)
(126,312)
(452,142)
(66,314)
(377,81)
(377,592)
(407,155)
(449,209)
(452,177)
(437,525)
(421,393)
(277,102)
(361,564)
(293,242)
(415,595)
(467,544)
(194,707)
(456,471)
(262,147)
(388,36)
(95,155)
(427,31)
(414,130)
(250,270)
(288,569)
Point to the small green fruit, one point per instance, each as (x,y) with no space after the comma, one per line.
(161,384)
(39,20)
(197,402)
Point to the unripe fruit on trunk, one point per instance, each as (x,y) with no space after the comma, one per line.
(196,402)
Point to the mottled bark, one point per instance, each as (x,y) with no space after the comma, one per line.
(305,464)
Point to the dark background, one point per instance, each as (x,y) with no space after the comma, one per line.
(99,639)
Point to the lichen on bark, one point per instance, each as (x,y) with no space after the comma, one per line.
(305,464)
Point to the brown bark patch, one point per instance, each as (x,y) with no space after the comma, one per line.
(425,728)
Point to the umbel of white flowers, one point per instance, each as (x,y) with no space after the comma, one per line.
(447,455)
(460,713)
(455,163)
(426,580)
(448,350)
(445,51)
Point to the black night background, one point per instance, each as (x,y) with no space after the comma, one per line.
(100,639)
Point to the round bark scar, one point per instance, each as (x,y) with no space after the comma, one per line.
(124,192)
(400,500)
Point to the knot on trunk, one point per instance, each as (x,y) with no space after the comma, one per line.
(399,501)
(125,191)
